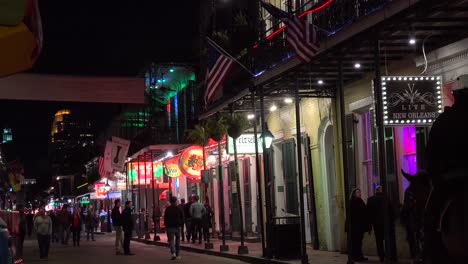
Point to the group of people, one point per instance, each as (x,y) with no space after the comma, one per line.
(365,218)
(195,216)
(57,226)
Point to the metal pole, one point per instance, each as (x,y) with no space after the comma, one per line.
(147,236)
(259,180)
(269,253)
(139,199)
(223,246)
(242,248)
(381,144)
(155,237)
(345,161)
(304,256)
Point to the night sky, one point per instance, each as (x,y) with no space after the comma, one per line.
(100,38)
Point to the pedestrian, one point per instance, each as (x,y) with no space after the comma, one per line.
(29,221)
(197,210)
(90,223)
(173,220)
(411,218)
(156,220)
(55,227)
(6,254)
(65,218)
(43,227)
(22,230)
(127,225)
(359,224)
(181,206)
(76,226)
(207,223)
(117,222)
(376,212)
(188,218)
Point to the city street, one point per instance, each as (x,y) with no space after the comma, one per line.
(102,250)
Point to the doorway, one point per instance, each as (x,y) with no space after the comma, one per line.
(329,171)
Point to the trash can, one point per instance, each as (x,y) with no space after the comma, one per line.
(286,237)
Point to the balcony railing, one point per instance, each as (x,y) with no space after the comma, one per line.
(330,17)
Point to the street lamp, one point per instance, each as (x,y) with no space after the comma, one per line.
(268,137)
(107,187)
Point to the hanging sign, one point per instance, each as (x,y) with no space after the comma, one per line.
(100,190)
(172,167)
(119,151)
(245,144)
(191,162)
(411,100)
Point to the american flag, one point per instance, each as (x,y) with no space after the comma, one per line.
(102,171)
(219,66)
(301,35)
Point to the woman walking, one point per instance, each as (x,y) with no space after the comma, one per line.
(76,227)
(43,227)
(90,223)
(359,224)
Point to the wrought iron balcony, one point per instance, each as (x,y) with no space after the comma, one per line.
(329,16)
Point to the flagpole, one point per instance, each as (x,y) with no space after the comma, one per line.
(216,46)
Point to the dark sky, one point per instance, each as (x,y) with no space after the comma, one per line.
(103,38)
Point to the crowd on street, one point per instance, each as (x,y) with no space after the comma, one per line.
(182,221)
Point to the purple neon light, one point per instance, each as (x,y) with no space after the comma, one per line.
(410,162)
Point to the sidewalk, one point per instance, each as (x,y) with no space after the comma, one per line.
(255,252)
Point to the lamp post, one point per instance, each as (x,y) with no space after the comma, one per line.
(235,132)
(266,135)
(108,187)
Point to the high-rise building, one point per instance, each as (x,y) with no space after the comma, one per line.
(7,135)
(72,142)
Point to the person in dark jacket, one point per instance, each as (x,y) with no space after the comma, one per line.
(207,223)
(22,230)
(359,224)
(76,227)
(181,206)
(188,218)
(375,209)
(117,222)
(127,225)
(173,220)
(65,219)
(90,222)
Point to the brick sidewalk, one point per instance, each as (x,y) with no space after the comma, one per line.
(255,252)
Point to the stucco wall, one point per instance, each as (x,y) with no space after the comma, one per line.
(315,113)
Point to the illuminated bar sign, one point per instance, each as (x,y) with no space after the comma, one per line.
(245,144)
(415,100)
(172,167)
(191,162)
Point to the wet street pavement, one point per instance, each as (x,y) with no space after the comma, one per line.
(102,252)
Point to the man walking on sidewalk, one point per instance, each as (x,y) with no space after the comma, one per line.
(173,220)
(127,225)
(197,210)
(117,222)
(188,218)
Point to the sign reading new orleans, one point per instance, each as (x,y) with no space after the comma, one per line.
(415,100)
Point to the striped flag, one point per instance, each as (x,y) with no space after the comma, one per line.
(102,171)
(219,66)
(301,35)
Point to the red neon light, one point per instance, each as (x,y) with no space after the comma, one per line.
(301,15)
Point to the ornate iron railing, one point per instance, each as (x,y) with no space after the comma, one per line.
(331,17)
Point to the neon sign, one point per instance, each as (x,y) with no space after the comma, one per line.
(191,162)
(101,191)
